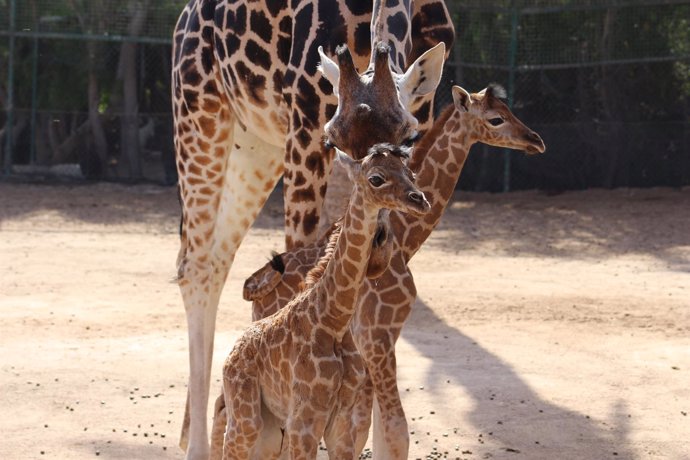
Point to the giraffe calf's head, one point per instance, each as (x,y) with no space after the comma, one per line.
(492,121)
(373,107)
(385,181)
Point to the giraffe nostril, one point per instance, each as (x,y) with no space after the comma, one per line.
(533,137)
(417,197)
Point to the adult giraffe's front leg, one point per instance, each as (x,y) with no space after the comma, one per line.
(211,236)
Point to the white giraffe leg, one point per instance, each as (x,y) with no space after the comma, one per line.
(390,439)
(252,171)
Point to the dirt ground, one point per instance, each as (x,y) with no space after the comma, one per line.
(547,327)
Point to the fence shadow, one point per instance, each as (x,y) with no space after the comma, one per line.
(592,224)
(584,225)
(101,204)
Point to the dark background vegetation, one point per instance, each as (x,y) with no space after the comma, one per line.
(606,83)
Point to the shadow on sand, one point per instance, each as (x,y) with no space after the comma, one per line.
(510,414)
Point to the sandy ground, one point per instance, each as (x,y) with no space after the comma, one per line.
(547,327)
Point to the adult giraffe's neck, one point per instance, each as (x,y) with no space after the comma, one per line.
(393,25)
(438,162)
(344,273)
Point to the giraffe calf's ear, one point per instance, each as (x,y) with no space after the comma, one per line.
(461,99)
(350,165)
(259,284)
(424,75)
(330,70)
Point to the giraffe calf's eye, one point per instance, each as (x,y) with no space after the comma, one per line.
(376,180)
(496,121)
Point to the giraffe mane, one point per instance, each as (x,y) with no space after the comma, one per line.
(277,262)
(398,151)
(316,273)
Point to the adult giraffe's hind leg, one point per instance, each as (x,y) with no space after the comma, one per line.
(203,133)
(217,212)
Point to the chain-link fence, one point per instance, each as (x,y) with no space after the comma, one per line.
(605,82)
(85,86)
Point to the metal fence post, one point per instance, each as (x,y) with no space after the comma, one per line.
(7,161)
(512,58)
(34,98)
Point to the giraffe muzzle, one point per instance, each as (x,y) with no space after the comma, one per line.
(536,144)
(418,203)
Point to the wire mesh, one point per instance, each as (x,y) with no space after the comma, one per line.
(69,96)
(606,83)
(98,17)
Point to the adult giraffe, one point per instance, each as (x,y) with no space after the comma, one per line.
(248,105)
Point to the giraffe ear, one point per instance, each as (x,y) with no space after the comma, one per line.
(350,165)
(330,70)
(461,99)
(260,283)
(424,75)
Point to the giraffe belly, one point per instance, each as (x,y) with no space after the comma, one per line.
(267,123)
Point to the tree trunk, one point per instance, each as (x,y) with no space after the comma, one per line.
(128,74)
(99,139)
(21,120)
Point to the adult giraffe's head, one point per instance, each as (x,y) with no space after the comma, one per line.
(374,107)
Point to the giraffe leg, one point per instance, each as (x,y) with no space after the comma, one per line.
(220,420)
(271,441)
(242,393)
(343,430)
(390,436)
(376,327)
(303,430)
(269,444)
(340,435)
(201,302)
(250,173)
(362,415)
(201,145)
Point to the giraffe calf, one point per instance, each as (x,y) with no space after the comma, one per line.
(283,381)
